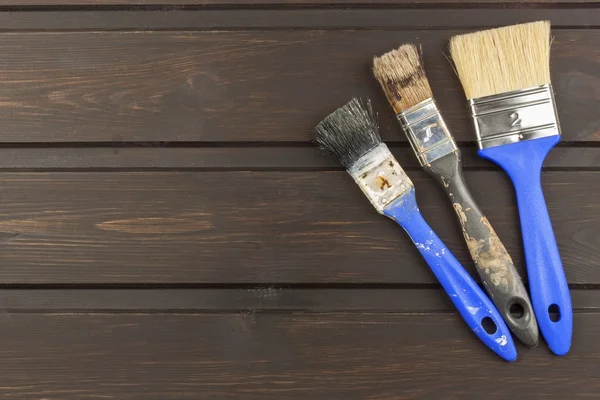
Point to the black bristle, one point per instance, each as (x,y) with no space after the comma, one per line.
(349,132)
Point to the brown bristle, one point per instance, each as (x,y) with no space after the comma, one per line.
(502,60)
(402,77)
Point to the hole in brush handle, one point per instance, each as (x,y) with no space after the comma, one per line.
(554,312)
(489,325)
(517,311)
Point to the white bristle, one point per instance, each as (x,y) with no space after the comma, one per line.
(502,60)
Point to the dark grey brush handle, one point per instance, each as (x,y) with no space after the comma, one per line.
(495,267)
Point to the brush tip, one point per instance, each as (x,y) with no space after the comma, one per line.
(503,59)
(402,77)
(349,132)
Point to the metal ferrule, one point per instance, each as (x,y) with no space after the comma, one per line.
(427,132)
(380,177)
(515,116)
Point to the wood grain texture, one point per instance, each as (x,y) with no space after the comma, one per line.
(168,230)
(239,86)
(218,227)
(271,356)
(292,18)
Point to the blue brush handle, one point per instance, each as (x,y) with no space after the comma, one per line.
(523,161)
(469,299)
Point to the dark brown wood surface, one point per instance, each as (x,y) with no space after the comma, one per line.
(195,86)
(278,356)
(291,227)
(168,229)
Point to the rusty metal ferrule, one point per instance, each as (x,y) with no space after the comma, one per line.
(427,132)
(380,177)
(515,116)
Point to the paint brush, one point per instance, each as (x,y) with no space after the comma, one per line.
(350,135)
(505,74)
(402,77)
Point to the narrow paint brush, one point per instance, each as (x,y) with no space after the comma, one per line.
(505,74)
(351,137)
(402,77)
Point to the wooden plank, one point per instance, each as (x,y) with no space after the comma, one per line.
(250,299)
(247,158)
(239,86)
(274,356)
(265,227)
(227,18)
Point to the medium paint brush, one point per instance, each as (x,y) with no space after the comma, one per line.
(505,74)
(350,136)
(402,77)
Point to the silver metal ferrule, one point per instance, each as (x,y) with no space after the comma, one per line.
(515,116)
(427,132)
(380,177)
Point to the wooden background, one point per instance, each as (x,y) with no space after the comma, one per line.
(169,231)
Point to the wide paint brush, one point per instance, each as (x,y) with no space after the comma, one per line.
(351,137)
(505,74)
(402,77)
